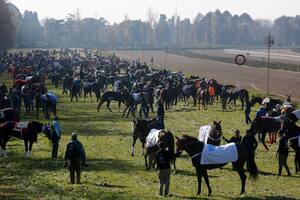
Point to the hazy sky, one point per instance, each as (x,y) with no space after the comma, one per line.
(115,10)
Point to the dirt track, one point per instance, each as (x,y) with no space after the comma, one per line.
(281,82)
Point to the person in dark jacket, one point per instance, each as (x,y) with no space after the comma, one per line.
(74,155)
(247,112)
(164,169)
(56,135)
(282,153)
(160,113)
(235,139)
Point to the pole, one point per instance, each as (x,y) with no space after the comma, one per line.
(166,56)
(268,78)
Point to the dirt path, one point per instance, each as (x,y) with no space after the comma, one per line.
(281,82)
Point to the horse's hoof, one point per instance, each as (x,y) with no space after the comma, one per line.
(132,155)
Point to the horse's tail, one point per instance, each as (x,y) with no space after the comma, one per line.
(252,167)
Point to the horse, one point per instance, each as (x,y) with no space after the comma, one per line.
(243,94)
(27,131)
(75,89)
(292,131)
(143,98)
(213,136)
(89,87)
(262,125)
(202,95)
(195,149)
(141,129)
(188,91)
(109,96)
(8,114)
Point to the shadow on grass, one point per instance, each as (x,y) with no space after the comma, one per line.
(192,173)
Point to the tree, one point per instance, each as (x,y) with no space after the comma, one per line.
(7,27)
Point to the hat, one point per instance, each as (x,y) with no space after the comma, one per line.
(74,135)
(237,131)
(56,118)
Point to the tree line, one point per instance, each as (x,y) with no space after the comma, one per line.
(213,29)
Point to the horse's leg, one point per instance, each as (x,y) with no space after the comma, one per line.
(100,104)
(205,175)
(199,177)
(107,105)
(243,103)
(297,161)
(146,163)
(84,96)
(124,112)
(4,148)
(174,163)
(91,96)
(263,137)
(30,148)
(133,144)
(26,154)
(243,177)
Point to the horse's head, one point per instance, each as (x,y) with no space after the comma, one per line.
(216,130)
(47,130)
(183,142)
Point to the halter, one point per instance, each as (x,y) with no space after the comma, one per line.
(215,139)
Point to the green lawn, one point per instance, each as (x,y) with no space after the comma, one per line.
(114,174)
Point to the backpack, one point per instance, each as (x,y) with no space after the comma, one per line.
(75,152)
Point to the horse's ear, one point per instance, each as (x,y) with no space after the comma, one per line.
(215,122)
(220,122)
(177,137)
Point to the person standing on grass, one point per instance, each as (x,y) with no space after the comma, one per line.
(282,153)
(56,135)
(164,169)
(160,113)
(212,93)
(74,156)
(248,111)
(235,139)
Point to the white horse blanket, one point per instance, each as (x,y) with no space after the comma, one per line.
(219,154)
(204,133)
(152,138)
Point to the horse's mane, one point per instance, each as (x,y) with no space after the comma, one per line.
(189,137)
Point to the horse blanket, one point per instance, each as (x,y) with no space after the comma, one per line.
(152,138)
(136,97)
(297,113)
(204,133)
(20,126)
(218,154)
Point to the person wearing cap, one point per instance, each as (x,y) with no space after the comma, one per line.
(235,139)
(55,137)
(164,169)
(74,157)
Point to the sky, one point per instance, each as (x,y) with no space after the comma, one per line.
(116,10)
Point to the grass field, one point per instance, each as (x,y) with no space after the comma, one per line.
(112,172)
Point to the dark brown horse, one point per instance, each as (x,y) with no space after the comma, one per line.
(264,125)
(214,136)
(195,149)
(27,131)
(202,96)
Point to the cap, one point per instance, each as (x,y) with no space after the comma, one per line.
(237,131)
(74,135)
(56,118)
